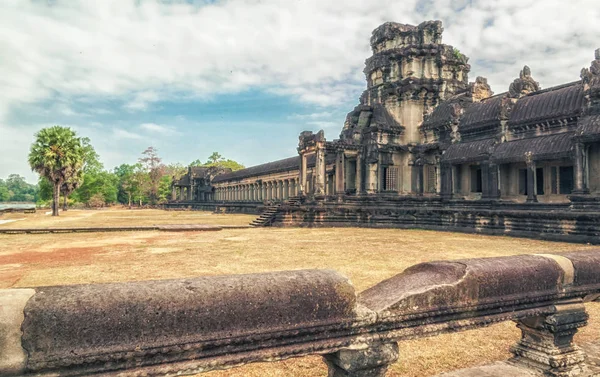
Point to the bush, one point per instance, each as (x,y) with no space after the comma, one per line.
(96,201)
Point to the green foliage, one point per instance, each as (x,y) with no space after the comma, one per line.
(57,154)
(16,189)
(4,193)
(152,165)
(216,160)
(96,183)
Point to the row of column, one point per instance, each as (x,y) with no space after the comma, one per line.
(182,193)
(256,192)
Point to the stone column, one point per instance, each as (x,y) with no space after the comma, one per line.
(181,193)
(446,181)
(371,181)
(580,186)
(485,181)
(531,179)
(339,173)
(173,193)
(371,361)
(320,172)
(493,179)
(547,341)
(418,171)
(359,186)
(302,177)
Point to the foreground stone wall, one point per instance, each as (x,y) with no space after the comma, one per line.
(188,326)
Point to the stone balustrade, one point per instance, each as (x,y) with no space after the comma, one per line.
(188,326)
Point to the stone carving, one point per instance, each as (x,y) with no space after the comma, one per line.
(480,89)
(524,85)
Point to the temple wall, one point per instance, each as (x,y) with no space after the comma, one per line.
(549,221)
(594,168)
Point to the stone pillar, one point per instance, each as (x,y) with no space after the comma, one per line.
(531,179)
(320,172)
(173,193)
(359,175)
(547,341)
(181,193)
(371,361)
(371,178)
(485,181)
(493,179)
(339,173)
(303,170)
(418,171)
(580,184)
(446,181)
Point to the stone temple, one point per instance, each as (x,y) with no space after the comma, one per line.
(425,147)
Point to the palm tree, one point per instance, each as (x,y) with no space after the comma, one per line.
(56,154)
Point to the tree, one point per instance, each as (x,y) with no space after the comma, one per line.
(4,193)
(153,166)
(56,154)
(216,160)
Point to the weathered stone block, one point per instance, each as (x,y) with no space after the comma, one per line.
(367,360)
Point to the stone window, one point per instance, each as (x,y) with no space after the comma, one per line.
(458,179)
(431,178)
(539,181)
(522,181)
(390,179)
(565,179)
(476,179)
(561,179)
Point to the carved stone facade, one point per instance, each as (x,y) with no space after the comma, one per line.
(422,130)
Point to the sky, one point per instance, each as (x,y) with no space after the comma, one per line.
(242,77)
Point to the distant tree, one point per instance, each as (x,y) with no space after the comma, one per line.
(215,157)
(4,193)
(56,154)
(153,166)
(216,160)
(19,190)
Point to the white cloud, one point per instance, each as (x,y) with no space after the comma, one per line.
(312,50)
(140,53)
(158,129)
(120,134)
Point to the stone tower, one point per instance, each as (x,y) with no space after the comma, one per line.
(411,71)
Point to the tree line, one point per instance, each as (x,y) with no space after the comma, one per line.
(70,173)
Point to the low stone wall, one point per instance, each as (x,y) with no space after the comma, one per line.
(188,326)
(538,220)
(252,208)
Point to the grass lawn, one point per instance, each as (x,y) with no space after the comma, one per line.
(366,256)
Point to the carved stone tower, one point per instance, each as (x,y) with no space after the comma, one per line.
(411,71)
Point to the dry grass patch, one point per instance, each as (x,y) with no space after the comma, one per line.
(366,256)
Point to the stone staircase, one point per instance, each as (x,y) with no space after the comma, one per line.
(266,217)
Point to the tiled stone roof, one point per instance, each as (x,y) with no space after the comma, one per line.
(553,103)
(279,166)
(468,152)
(549,147)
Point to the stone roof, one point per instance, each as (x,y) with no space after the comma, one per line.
(468,152)
(279,166)
(444,114)
(382,117)
(553,103)
(550,147)
(589,127)
(481,114)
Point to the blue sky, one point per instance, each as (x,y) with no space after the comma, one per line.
(242,77)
